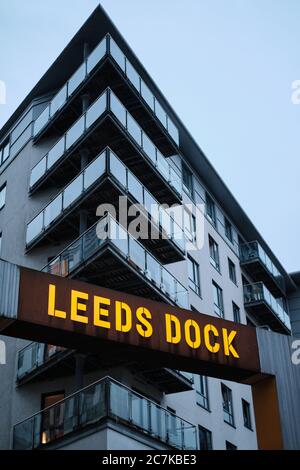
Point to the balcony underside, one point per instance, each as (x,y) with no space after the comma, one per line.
(107,74)
(107,132)
(66,227)
(259,272)
(265,316)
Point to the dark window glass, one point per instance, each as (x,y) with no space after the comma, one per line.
(211,210)
(246,414)
(230,446)
(201,387)
(227,404)
(2,196)
(232,271)
(218,300)
(205,438)
(187,179)
(194,276)
(228,230)
(214,253)
(236,313)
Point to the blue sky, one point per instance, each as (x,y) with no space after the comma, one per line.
(241,57)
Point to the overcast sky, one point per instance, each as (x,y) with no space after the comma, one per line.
(226,66)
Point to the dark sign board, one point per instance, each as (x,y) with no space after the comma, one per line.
(114,324)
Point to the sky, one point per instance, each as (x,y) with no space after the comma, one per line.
(226,67)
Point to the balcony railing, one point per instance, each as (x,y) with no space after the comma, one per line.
(106,47)
(257,293)
(252,251)
(107,163)
(34,356)
(107,102)
(101,400)
(107,230)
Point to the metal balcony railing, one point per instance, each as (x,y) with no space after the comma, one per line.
(36,355)
(108,230)
(104,399)
(257,293)
(106,47)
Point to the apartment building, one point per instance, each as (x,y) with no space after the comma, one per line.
(96,128)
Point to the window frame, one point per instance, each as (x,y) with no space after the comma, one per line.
(247,416)
(232,269)
(202,391)
(208,438)
(236,308)
(214,250)
(3,188)
(228,229)
(196,270)
(217,307)
(189,190)
(210,203)
(228,412)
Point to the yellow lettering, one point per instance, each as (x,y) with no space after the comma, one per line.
(187,330)
(227,340)
(170,337)
(78,306)
(52,311)
(214,348)
(100,311)
(122,307)
(146,330)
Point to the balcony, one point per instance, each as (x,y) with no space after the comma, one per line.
(106,66)
(104,400)
(107,122)
(266,309)
(116,258)
(260,267)
(104,180)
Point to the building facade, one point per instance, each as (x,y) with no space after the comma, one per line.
(96,128)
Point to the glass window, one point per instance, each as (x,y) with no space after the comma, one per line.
(201,387)
(2,196)
(236,313)
(75,132)
(58,101)
(218,300)
(230,446)
(211,210)
(4,152)
(214,253)
(228,230)
(0,242)
(187,180)
(117,54)
(246,414)
(21,126)
(205,438)
(96,55)
(232,271)
(21,141)
(160,113)
(147,95)
(194,276)
(56,152)
(133,76)
(118,109)
(134,129)
(190,226)
(227,404)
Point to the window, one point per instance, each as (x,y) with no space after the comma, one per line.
(236,313)
(194,276)
(232,272)
(2,196)
(201,387)
(4,151)
(214,253)
(228,230)
(218,300)
(205,438)
(227,404)
(211,210)
(190,226)
(230,446)
(187,180)
(246,414)
(0,242)
(50,420)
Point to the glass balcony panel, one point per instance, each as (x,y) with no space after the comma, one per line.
(137,254)
(96,110)
(53,210)
(91,242)
(178,236)
(23,435)
(139,412)
(119,237)
(160,113)
(149,148)
(163,166)
(147,95)
(135,188)
(118,169)
(58,101)
(175,180)
(75,132)
(95,170)
(168,282)
(119,401)
(173,131)
(166,223)
(73,191)
(26,360)
(92,404)
(134,129)
(132,75)
(56,152)
(153,270)
(152,206)
(76,79)
(96,55)
(117,54)
(175,431)
(35,227)
(38,171)
(260,253)
(41,121)
(70,419)
(118,109)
